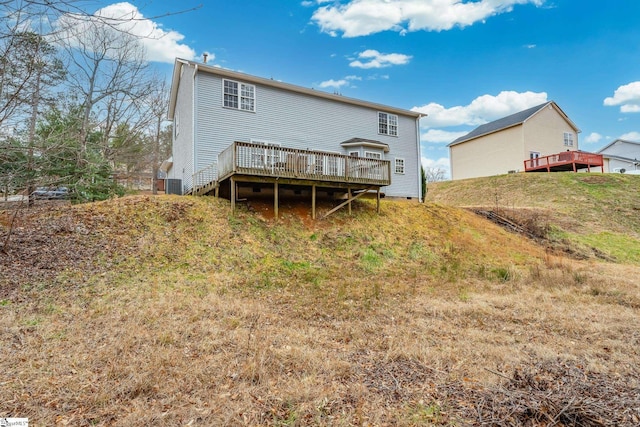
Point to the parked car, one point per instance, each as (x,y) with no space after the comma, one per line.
(51,193)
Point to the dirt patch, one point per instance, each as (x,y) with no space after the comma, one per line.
(296,208)
(596,179)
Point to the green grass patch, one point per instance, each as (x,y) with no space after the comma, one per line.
(622,247)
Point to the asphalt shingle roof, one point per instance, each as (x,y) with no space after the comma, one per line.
(503,123)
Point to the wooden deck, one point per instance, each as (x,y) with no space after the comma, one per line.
(565,162)
(243,158)
(252,163)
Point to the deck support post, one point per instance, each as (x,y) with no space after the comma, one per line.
(349,198)
(313,201)
(378,201)
(275,200)
(233,195)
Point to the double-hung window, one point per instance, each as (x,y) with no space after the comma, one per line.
(240,96)
(373,155)
(399,166)
(387,124)
(568,139)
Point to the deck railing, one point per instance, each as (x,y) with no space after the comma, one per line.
(564,158)
(275,161)
(205,178)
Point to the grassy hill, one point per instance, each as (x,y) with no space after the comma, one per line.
(593,214)
(168,311)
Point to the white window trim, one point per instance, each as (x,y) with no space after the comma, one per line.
(377,155)
(395,165)
(239,95)
(351,153)
(568,139)
(388,124)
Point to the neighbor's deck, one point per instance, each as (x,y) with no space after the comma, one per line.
(565,161)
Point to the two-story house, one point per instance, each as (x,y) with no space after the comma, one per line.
(241,133)
(532,139)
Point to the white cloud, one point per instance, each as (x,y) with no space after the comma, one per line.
(364,17)
(442,163)
(630,108)
(308,3)
(438,135)
(336,84)
(378,77)
(483,109)
(631,136)
(593,137)
(373,59)
(627,97)
(160,45)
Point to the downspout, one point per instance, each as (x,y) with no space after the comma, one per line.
(418,148)
(194,128)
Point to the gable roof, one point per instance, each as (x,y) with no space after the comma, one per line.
(510,121)
(625,141)
(225,73)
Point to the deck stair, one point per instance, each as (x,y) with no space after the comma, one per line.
(206,188)
(205,180)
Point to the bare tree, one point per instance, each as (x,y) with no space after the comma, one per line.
(159,102)
(107,71)
(435,174)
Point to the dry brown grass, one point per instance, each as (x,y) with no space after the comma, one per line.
(587,215)
(424,315)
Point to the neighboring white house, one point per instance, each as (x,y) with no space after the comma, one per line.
(287,134)
(502,146)
(621,156)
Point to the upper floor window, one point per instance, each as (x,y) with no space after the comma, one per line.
(399,166)
(568,139)
(387,124)
(239,95)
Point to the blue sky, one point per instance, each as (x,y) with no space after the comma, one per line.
(463,63)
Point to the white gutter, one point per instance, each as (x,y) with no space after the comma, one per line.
(419,149)
(193,126)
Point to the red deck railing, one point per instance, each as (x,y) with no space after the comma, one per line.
(565,161)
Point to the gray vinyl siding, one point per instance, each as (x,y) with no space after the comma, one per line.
(299,121)
(183,143)
(623,149)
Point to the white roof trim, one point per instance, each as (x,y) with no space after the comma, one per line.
(370,144)
(222,72)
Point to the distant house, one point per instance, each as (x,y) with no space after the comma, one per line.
(621,156)
(235,133)
(503,146)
